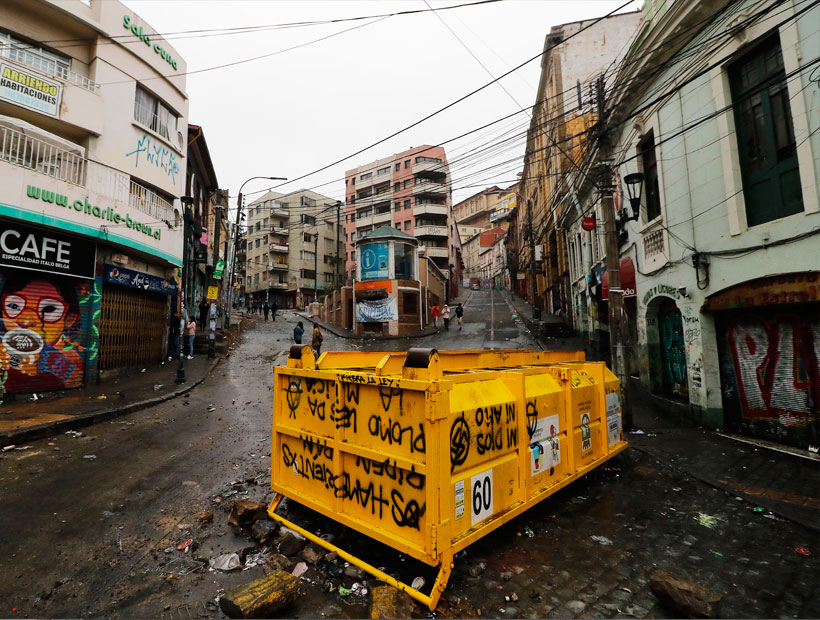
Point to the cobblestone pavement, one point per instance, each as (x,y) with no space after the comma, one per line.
(85,536)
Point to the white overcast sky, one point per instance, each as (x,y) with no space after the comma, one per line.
(294,112)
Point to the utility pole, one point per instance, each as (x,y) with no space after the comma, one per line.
(617,317)
(316,264)
(536,311)
(338,258)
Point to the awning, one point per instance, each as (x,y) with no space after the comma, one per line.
(627,268)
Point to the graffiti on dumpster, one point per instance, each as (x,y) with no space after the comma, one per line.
(487,429)
(380,488)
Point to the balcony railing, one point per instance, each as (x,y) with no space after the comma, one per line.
(148,201)
(44,157)
(39,60)
(278,230)
(278,247)
(68,166)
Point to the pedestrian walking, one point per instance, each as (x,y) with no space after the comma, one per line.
(273,309)
(266,310)
(317,339)
(203,312)
(190,329)
(445,314)
(297,332)
(434,311)
(174,339)
(459,316)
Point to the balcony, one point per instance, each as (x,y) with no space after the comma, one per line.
(43,62)
(430,209)
(429,189)
(435,252)
(430,231)
(279,212)
(276,266)
(279,247)
(52,157)
(383,218)
(278,230)
(430,169)
(278,285)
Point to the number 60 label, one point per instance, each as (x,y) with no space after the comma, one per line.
(481,496)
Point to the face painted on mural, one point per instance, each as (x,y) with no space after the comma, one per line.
(37,351)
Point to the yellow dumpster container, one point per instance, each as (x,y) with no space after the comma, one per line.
(427,451)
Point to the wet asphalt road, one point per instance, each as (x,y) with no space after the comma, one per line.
(83,536)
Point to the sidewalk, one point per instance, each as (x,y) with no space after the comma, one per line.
(341,332)
(55,412)
(767,475)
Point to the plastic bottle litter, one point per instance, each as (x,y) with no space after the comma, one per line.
(418,582)
(344,592)
(90,457)
(229,561)
(8,448)
(158,387)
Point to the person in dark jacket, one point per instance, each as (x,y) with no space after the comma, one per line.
(460,316)
(203,313)
(297,332)
(173,341)
(265,310)
(273,309)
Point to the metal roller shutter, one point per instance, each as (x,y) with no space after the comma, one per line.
(45,327)
(133,327)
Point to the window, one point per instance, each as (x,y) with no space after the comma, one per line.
(307,237)
(396,186)
(397,206)
(363,213)
(407,225)
(258,226)
(398,166)
(366,175)
(406,204)
(406,163)
(434,160)
(327,259)
(407,183)
(765,134)
(39,59)
(307,202)
(308,273)
(307,255)
(329,225)
(384,170)
(154,114)
(650,170)
(328,277)
(403,261)
(308,219)
(257,243)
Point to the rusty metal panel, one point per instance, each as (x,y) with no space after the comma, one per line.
(133,327)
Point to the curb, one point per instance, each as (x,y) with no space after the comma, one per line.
(42,430)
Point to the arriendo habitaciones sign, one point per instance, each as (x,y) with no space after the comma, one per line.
(24,247)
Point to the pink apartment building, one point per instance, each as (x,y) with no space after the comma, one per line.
(409,191)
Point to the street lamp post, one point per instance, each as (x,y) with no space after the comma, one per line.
(236,238)
(186,201)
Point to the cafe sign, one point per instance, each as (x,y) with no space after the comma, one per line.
(35,249)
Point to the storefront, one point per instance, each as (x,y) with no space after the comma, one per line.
(135,319)
(768,338)
(49,303)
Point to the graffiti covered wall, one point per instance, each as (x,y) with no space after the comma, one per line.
(770,372)
(44,331)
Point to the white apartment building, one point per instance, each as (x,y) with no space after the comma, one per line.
(92,168)
(293,243)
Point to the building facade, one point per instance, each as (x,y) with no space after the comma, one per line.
(720,263)
(294,248)
(92,168)
(575,54)
(475,210)
(409,191)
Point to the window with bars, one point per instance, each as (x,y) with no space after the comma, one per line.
(765,134)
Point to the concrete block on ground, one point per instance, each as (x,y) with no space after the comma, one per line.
(263,598)
(390,602)
(688,598)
